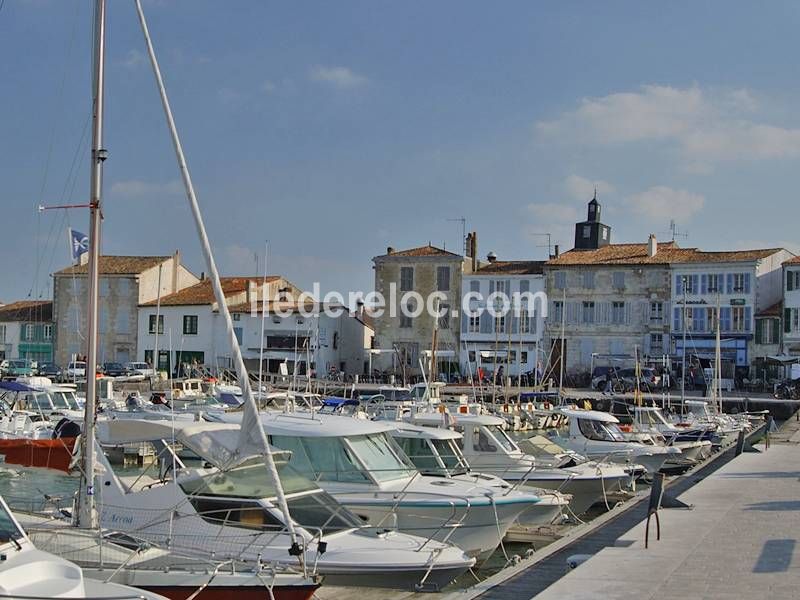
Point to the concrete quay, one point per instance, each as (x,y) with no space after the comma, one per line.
(738,541)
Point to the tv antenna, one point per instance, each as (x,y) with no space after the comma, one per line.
(463,222)
(675,232)
(549,242)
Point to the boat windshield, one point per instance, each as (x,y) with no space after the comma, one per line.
(8,529)
(422,455)
(382,457)
(39,401)
(502,438)
(451,456)
(600,431)
(64,400)
(250,480)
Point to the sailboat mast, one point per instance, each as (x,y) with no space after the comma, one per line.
(250,418)
(87,516)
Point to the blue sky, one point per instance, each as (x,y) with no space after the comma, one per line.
(336,129)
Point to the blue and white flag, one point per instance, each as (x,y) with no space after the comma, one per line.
(79,243)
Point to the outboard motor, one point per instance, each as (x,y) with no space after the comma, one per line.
(66,428)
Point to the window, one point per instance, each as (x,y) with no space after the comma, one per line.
(406,279)
(523,357)
(688,315)
(605,232)
(617,313)
(558,311)
(618,279)
(48,332)
(236,316)
(588,312)
(690,281)
(474,324)
(443,279)
(28,332)
(656,342)
(471,356)
(444,316)
(524,321)
(190,325)
(588,280)
(738,282)
(738,318)
(500,286)
(714,283)
(500,324)
(405,315)
(560,280)
(792,280)
(767,331)
(587,231)
(152,324)
(474,286)
(656,312)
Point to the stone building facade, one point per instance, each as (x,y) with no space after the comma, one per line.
(125,283)
(401,340)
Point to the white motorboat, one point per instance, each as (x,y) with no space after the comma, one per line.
(358,463)
(232,514)
(597,435)
(489,449)
(650,420)
(436,452)
(29,573)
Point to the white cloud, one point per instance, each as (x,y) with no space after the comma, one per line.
(133,59)
(705,125)
(581,188)
(137,188)
(660,203)
(340,77)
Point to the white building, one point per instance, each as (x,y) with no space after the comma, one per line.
(512,341)
(328,337)
(190,330)
(741,283)
(791,306)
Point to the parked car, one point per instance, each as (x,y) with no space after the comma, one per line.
(76,370)
(51,371)
(19,368)
(115,369)
(140,368)
(3,367)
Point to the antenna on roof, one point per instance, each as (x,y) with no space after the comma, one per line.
(463,222)
(675,232)
(549,243)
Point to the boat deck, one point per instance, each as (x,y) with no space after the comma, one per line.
(738,541)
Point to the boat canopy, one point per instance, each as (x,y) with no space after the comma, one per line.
(407,430)
(15,386)
(336,402)
(458,418)
(216,443)
(589,415)
(319,425)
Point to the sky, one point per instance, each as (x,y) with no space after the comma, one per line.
(331,130)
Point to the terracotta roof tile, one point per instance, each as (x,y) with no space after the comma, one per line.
(203,293)
(512,267)
(421,251)
(795,260)
(118,265)
(27,310)
(667,253)
(773,311)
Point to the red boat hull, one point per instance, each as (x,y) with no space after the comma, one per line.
(291,592)
(49,454)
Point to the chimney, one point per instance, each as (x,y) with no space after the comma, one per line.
(652,245)
(491,257)
(556,251)
(474,250)
(84,258)
(389,250)
(176,262)
(202,275)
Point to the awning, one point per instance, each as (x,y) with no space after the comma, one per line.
(783,359)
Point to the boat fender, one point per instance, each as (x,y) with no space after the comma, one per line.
(576,560)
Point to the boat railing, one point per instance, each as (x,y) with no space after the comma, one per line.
(129,596)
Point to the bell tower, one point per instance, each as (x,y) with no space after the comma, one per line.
(592,234)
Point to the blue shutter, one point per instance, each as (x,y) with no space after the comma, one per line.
(678,285)
(474,286)
(485,322)
(524,286)
(514,322)
(700,319)
(464,321)
(729,285)
(491,287)
(748,316)
(703,283)
(725,318)
(676,319)
(747,283)
(695,283)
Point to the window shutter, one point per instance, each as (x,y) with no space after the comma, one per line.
(730,283)
(485,322)
(748,318)
(787,320)
(747,283)
(474,286)
(524,286)
(491,287)
(514,323)
(775,325)
(759,330)
(676,319)
(703,283)
(789,281)
(627,312)
(464,321)
(678,285)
